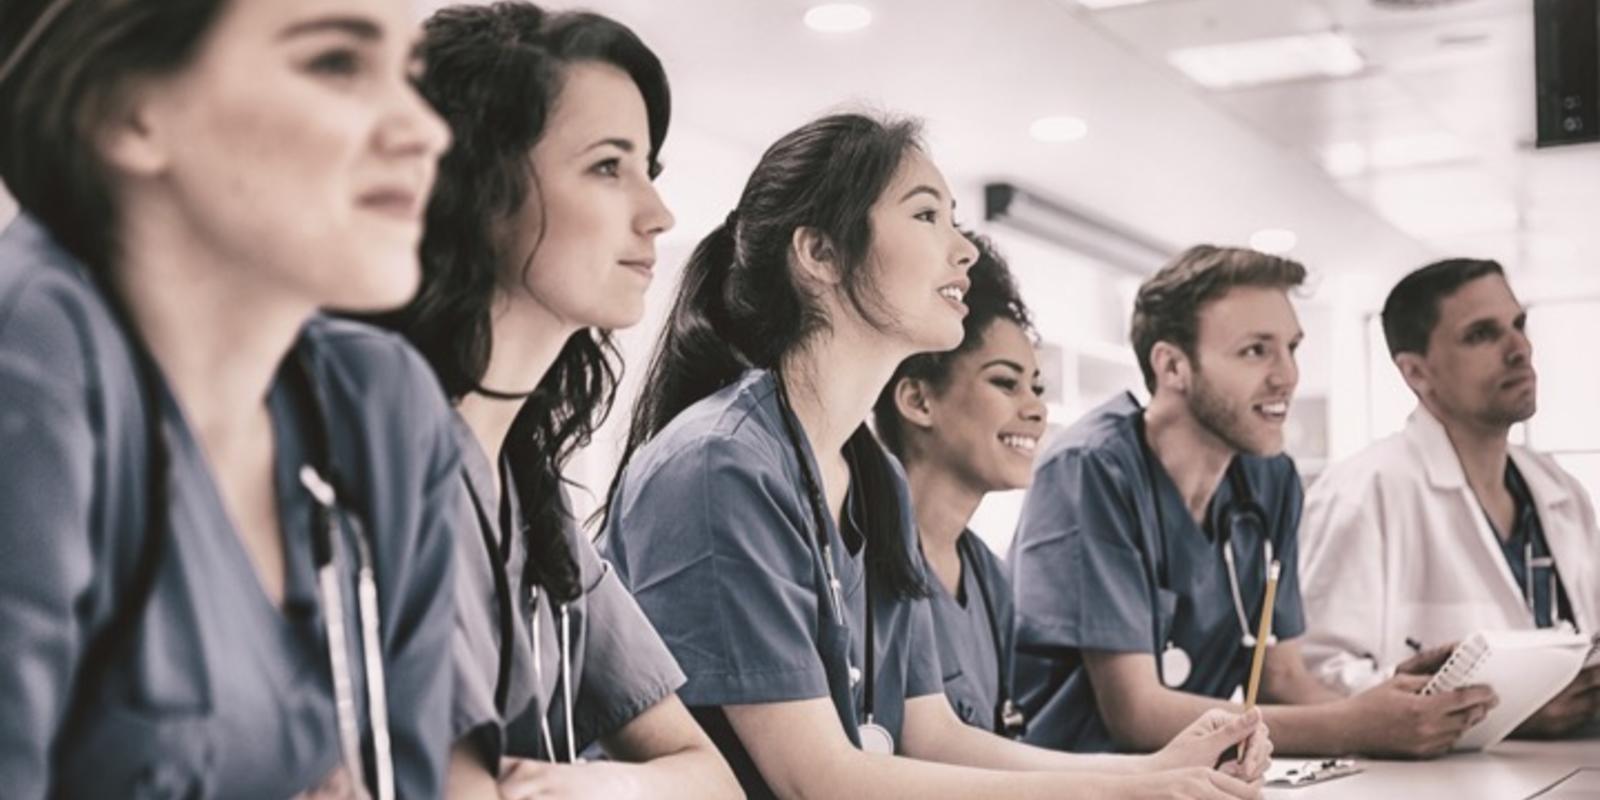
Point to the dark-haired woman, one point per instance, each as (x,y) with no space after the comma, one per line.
(540,241)
(770,538)
(965,423)
(221,527)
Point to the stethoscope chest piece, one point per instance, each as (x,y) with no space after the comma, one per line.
(875,739)
(1175,666)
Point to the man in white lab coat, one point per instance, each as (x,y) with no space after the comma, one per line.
(1445,528)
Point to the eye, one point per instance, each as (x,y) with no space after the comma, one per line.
(1008,384)
(1256,350)
(1038,389)
(930,216)
(656,168)
(610,167)
(343,62)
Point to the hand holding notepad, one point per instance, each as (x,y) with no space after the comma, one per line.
(1524,668)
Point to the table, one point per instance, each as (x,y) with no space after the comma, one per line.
(1512,770)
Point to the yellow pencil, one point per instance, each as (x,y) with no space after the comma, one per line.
(1265,628)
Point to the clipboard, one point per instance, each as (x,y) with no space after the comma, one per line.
(1291,774)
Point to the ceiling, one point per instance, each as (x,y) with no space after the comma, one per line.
(1163,156)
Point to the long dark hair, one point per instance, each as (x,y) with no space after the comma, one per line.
(992,296)
(740,305)
(494,73)
(58,91)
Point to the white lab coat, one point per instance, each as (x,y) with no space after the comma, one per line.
(1394,545)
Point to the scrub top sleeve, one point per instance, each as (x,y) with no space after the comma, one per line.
(45,557)
(626,667)
(418,590)
(1289,618)
(1081,582)
(718,557)
(925,673)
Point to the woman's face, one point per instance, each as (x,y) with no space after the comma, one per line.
(292,147)
(918,257)
(987,419)
(592,214)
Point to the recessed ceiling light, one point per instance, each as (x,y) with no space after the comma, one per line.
(1058,129)
(1259,61)
(838,17)
(1275,241)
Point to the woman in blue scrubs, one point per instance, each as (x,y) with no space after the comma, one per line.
(222,516)
(965,423)
(767,534)
(540,241)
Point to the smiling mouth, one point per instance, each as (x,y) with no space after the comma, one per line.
(1276,411)
(1019,442)
(393,203)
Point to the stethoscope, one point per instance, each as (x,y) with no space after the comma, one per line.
(329,519)
(1241,508)
(546,743)
(1008,719)
(874,738)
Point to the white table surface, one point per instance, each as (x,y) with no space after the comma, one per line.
(1512,770)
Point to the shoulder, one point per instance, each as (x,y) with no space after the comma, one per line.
(1105,441)
(360,358)
(733,431)
(1389,462)
(55,328)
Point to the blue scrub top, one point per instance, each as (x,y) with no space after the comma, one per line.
(208,689)
(974,662)
(623,665)
(1096,568)
(711,529)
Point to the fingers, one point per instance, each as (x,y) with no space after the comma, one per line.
(1428,661)
(1409,683)
(1469,696)
(1230,786)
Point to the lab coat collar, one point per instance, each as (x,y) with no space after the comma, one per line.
(1444,466)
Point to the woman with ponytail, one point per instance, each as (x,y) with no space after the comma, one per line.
(222,522)
(540,241)
(770,538)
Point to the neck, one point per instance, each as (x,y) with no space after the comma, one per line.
(218,331)
(944,505)
(1195,458)
(523,347)
(1482,450)
(832,383)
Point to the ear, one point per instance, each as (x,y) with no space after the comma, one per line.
(1414,370)
(1172,367)
(815,255)
(129,135)
(913,401)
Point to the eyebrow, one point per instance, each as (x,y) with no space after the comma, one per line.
(1006,362)
(925,189)
(624,145)
(354,26)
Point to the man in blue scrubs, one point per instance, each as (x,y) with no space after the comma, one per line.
(1141,556)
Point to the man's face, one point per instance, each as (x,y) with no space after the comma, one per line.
(1244,370)
(1479,364)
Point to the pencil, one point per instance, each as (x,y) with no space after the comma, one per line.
(1264,630)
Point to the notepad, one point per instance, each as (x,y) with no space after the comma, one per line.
(1525,668)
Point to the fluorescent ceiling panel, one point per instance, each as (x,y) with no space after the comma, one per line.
(1262,61)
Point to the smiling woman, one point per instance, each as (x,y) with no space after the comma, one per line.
(204,466)
(965,423)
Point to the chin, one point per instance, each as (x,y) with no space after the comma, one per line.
(379,286)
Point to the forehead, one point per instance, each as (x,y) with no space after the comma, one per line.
(1002,339)
(1486,296)
(915,169)
(1248,311)
(597,101)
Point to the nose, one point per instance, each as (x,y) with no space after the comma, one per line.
(1285,374)
(653,218)
(412,128)
(1032,408)
(965,252)
(1520,348)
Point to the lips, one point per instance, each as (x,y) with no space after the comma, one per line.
(1021,442)
(645,265)
(955,293)
(1274,410)
(394,202)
